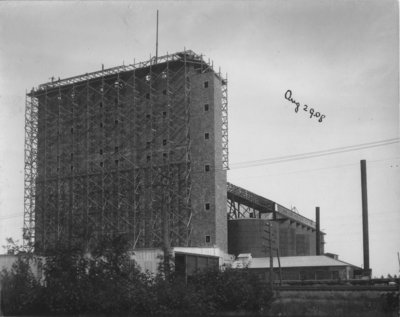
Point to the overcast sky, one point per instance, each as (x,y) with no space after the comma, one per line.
(341,58)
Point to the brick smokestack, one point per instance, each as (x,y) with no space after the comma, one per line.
(364,198)
(318,232)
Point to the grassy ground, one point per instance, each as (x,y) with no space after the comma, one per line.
(335,304)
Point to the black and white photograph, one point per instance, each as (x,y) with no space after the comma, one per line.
(187,158)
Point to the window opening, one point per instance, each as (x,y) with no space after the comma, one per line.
(208,239)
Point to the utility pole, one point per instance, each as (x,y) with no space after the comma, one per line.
(398,257)
(398,281)
(271,258)
(279,264)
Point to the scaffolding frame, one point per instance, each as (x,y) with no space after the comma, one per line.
(30,169)
(95,175)
(225,149)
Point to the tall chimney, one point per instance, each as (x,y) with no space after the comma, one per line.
(365,215)
(318,232)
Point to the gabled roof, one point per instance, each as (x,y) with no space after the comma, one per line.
(298,261)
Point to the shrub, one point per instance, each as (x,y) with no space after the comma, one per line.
(232,290)
(108,281)
(21,293)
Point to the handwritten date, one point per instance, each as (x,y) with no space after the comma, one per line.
(311,111)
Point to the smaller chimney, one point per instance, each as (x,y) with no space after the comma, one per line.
(317,232)
(364,200)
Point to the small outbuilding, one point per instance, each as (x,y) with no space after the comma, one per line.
(298,268)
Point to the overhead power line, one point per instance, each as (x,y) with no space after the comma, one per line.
(316,169)
(307,155)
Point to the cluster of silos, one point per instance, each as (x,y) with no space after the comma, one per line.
(251,235)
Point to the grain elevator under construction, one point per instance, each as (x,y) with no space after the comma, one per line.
(142,151)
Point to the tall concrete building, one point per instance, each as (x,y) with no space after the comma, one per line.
(142,151)
(138,150)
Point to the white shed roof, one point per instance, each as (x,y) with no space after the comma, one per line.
(298,261)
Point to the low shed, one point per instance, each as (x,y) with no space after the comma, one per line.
(187,264)
(315,267)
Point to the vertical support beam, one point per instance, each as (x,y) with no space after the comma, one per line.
(59,171)
(72,179)
(365,215)
(87,156)
(317,232)
(279,264)
(150,236)
(271,258)
(132,151)
(44,190)
(188,163)
(102,144)
(117,145)
(166,208)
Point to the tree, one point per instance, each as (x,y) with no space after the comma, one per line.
(107,280)
(232,290)
(13,248)
(21,292)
